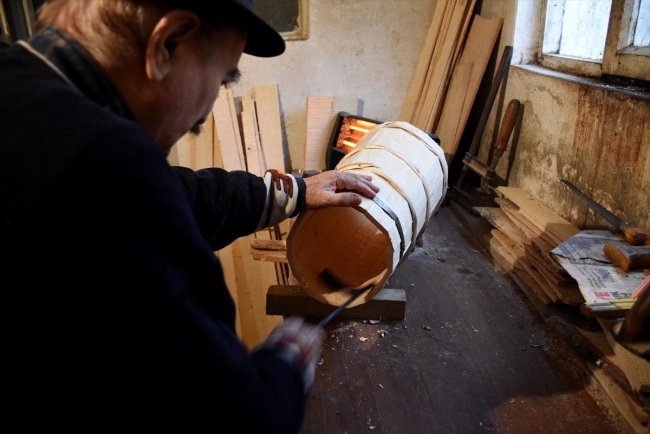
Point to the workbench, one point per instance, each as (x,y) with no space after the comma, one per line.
(472,355)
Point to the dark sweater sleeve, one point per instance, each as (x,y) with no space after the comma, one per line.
(226,205)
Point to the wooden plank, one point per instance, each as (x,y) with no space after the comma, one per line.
(319,111)
(519,265)
(172,159)
(431,108)
(217,158)
(449,127)
(500,221)
(560,279)
(434,64)
(540,215)
(250,334)
(477,51)
(388,304)
(540,245)
(539,279)
(276,245)
(426,56)
(204,145)
(269,255)
(321,114)
(267,106)
(254,157)
(185,151)
(228,265)
(568,293)
(513,247)
(526,225)
(225,119)
(636,369)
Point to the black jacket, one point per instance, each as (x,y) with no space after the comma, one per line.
(116,310)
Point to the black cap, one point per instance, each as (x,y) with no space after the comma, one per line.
(263,40)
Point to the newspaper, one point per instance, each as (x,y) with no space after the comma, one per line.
(598,279)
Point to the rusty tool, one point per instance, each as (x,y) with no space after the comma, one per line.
(486,171)
(632,234)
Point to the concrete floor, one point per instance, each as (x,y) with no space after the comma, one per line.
(471,356)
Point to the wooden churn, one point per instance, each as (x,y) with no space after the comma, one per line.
(357,247)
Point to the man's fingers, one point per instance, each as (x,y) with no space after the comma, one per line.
(360,183)
(346,199)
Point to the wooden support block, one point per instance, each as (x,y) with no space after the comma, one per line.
(293,300)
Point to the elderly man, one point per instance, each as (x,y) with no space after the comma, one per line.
(119,317)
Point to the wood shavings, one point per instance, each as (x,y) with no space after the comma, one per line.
(321,362)
(374,321)
(426,328)
(381,385)
(382,333)
(362,339)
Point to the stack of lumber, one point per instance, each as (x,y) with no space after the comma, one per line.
(243,135)
(426,94)
(525,233)
(321,115)
(621,379)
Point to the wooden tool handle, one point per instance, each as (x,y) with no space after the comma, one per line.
(636,236)
(627,259)
(507,125)
(636,325)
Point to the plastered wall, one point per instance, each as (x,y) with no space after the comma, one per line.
(596,136)
(357,48)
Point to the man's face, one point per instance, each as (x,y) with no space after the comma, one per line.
(194,84)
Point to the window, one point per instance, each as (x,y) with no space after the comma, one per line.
(596,37)
(288,17)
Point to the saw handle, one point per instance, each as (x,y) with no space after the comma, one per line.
(628,259)
(507,125)
(635,236)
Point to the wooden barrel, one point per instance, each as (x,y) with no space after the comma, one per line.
(360,247)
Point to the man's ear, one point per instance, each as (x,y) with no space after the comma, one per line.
(173,32)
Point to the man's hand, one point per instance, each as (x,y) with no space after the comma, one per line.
(299,344)
(334,188)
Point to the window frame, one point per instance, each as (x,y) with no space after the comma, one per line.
(302,31)
(615,61)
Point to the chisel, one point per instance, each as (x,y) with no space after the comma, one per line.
(339,309)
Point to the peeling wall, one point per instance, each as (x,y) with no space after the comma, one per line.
(593,135)
(357,48)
